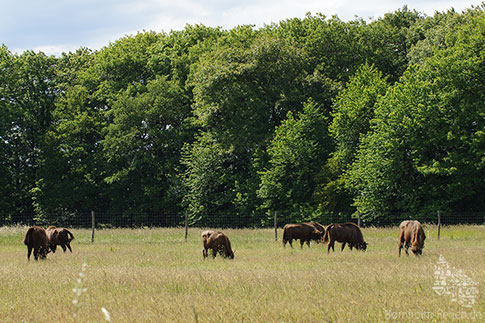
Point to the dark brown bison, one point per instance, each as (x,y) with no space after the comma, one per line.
(218,242)
(36,238)
(303,231)
(59,237)
(411,234)
(319,227)
(345,233)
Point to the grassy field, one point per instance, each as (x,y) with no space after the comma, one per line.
(153,275)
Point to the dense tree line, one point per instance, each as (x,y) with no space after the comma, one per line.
(315,118)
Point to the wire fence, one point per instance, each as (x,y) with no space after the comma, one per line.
(101,220)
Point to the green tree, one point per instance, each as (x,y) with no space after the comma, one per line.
(143,145)
(353,110)
(70,181)
(425,150)
(27,99)
(297,154)
(386,42)
(432,32)
(243,89)
(7,134)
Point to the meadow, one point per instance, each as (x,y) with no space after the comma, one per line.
(154,275)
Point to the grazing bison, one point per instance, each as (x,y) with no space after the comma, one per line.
(345,233)
(304,231)
(59,237)
(36,238)
(218,242)
(319,227)
(411,234)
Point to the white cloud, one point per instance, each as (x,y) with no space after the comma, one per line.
(54,26)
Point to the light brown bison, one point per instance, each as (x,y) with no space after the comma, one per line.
(303,231)
(218,242)
(36,238)
(59,237)
(411,234)
(345,233)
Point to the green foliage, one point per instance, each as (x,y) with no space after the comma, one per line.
(387,41)
(142,146)
(353,110)
(422,153)
(215,122)
(299,149)
(27,96)
(242,92)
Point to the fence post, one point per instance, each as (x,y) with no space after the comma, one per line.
(92,226)
(439,224)
(358,219)
(275,225)
(186,224)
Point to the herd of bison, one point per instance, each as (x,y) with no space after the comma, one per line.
(411,234)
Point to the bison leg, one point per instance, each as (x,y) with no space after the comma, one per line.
(214,252)
(29,252)
(36,254)
(343,246)
(291,242)
(401,241)
(302,242)
(204,253)
(330,245)
(69,246)
(53,248)
(63,247)
(308,243)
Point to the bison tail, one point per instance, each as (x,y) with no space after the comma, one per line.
(27,237)
(325,237)
(285,235)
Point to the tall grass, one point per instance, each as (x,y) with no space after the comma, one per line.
(153,275)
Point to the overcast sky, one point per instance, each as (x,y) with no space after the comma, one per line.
(56,26)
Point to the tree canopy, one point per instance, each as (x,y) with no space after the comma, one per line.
(315,118)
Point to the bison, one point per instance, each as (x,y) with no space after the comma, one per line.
(59,237)
(36,238)
(304,231)
(345,233)
(319,227)
(218,242)
(411,234)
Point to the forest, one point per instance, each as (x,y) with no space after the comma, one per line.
(314,118)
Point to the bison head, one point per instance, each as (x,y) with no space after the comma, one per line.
(230,254)
(417,251)
(43,252)
(362,246)
(317,235)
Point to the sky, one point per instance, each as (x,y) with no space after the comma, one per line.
(56,26)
